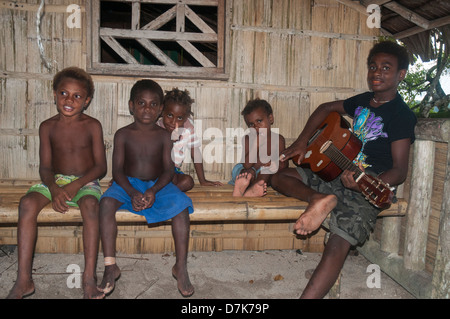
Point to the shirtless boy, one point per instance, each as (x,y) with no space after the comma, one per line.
(72,160)
(142,172)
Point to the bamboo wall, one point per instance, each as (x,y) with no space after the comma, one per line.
(294,53)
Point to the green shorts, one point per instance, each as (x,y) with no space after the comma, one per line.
(354,217)
(92,188)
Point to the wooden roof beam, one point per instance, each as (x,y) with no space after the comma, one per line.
(380,2)
(412,31)
(408,14)
(377,2)
(355,6)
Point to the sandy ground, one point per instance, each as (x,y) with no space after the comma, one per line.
(272,274)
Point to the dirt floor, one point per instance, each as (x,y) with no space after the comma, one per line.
(273,274)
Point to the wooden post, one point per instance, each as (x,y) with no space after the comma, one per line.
(390,233)
(441,273)
(419,205)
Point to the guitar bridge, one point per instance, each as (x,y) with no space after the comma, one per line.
(325,146)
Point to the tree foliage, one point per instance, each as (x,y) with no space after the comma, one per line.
(421,88)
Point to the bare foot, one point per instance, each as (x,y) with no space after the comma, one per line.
(258,189)
(241,184)
(111,274)
(91,291)
(316,212)
(184,284)
(21,289)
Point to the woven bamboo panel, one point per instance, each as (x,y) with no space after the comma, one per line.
(294,53)
(136,239)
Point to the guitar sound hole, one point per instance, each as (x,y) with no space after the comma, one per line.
(316,134)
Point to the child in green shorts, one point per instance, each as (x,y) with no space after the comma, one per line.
(72,159)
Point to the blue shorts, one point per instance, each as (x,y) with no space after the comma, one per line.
(237,170)
(169,201)
(178,171)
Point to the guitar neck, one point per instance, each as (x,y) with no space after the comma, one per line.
(342,161)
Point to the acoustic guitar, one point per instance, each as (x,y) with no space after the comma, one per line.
(332,149)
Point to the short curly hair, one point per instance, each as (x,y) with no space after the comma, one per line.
(256,104)
(146,84)
(180,97)
(391,47)
(78,74)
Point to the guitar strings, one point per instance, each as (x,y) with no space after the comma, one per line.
(341,160)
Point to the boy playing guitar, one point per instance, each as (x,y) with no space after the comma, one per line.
(385,126)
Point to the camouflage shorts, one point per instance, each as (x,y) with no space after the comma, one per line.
(354,217)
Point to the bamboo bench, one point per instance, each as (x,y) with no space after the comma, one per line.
(210,204)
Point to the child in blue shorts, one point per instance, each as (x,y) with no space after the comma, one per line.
(142,172)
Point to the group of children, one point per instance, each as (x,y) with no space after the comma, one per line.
(147,179)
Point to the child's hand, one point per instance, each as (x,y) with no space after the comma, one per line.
(72,188)
(138,201)
(59,198)
(210,183)
(348,179)
(296,151)
(149,197)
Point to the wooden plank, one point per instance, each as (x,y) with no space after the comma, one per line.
(441,275)
(437,130)
(190,2)
(433,24)
(159,35)
(196,54)
(307,33)
(124,54)
(161,20)
(135,15)
(197,21)
(156,52)
(408,14)
(49,8)
(180,22)
(215,209)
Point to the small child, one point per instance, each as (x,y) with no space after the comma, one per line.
(177,120)
(262,146)
(72,160)
(142,172)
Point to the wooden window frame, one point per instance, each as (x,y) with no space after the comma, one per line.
(180,11)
